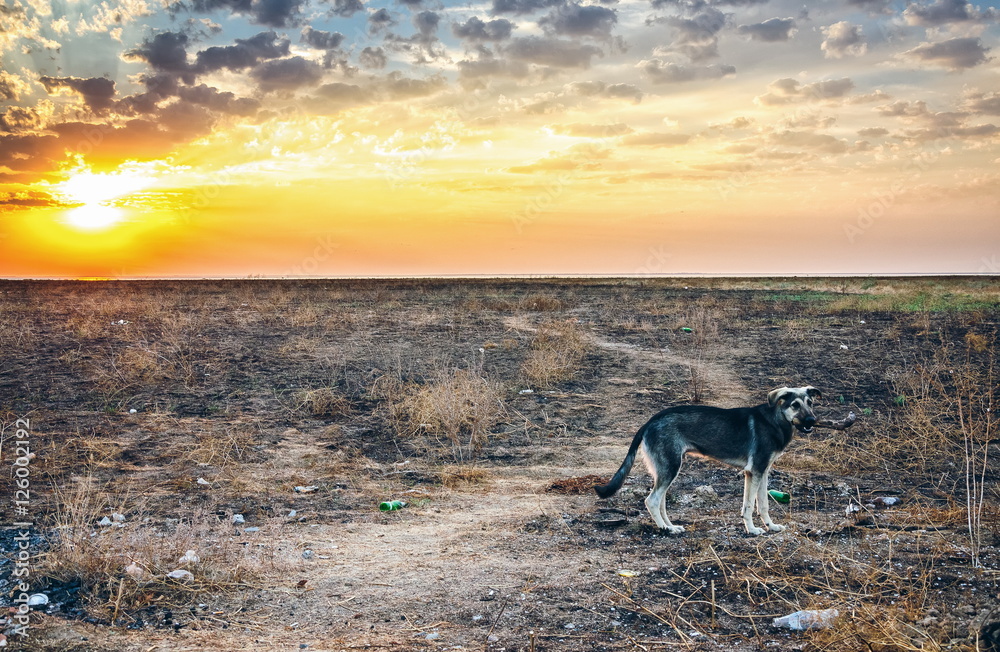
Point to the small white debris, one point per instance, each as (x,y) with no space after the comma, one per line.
(251,529)
(38,600)
(104,522)
(527,391)
(238,519)
(306,490)
(203,482)
(180,574)
(117,518)
(862,321)
(132,411)
(308,554)
(843,347)
(135,571)
(292,513)
(190,557)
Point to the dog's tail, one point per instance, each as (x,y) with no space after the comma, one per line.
(610,489)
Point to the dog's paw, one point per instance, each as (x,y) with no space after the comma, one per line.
(774,527)
(675,529)
(754,531)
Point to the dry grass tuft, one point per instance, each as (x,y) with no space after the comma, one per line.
(123,567)
(556,353)
(459,408)
(322,403)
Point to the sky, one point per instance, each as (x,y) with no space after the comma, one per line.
(238,138)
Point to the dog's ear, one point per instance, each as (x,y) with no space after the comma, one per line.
(812,391)
(776,395)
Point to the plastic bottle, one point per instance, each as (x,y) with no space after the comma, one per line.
(391,505)
(779,496)
(808,619)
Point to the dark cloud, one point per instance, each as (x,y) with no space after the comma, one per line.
(654,139)
(246,53)
(341,95)
(273,13)
(165,52)
(551,52)
(186,119)
(954,54)
(427,22)
(770,31)
(321,40)
(476,30)
(373,58)
(580,20)
(984,103)
(97,92)
(520,7)
(790,91)
(219,101)
(660,72)
(944,12)
(379,20)
(19,118)
(412,4)
(32,153)
(28,199)
(843,39)
(347,8)
(697,36)
(286,74)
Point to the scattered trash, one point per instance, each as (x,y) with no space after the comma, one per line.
(120,322)
(885,501)
(305,490)
(251,530)
(189,557)
(569,626)
(843,347)
(38,600)
(685,329)
(808,619)
(308,554)
(238,519)
(181,574)
(292,513)
(135,571)
(527,391)
(627,573)
(779,496)
(391,505)
(104,522)
(203,482)
(117,518)
(433,636)
(853,508)
(132,411)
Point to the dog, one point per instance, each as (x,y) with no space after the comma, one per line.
(750,438)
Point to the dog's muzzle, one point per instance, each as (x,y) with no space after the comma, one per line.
(805,425)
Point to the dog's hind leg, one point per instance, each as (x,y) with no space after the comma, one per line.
(762,505)
(664,468)
(751,487)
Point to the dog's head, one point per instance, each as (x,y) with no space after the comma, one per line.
(795,405)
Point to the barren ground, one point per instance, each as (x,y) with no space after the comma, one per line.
(178,405)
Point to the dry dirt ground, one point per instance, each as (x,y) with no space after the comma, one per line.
(170,407)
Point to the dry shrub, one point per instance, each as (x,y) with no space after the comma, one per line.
(702,320)
(556,353)
(322,403)
(459,407)
(97,556)
(221,448)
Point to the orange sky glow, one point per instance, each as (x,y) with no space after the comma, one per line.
(410,137)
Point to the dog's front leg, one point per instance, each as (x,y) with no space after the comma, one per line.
(762,505)
(751,483)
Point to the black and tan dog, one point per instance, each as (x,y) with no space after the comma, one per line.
(750,438)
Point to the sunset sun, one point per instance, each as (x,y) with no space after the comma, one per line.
(96,194)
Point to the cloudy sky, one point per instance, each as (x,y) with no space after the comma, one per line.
(397,137)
